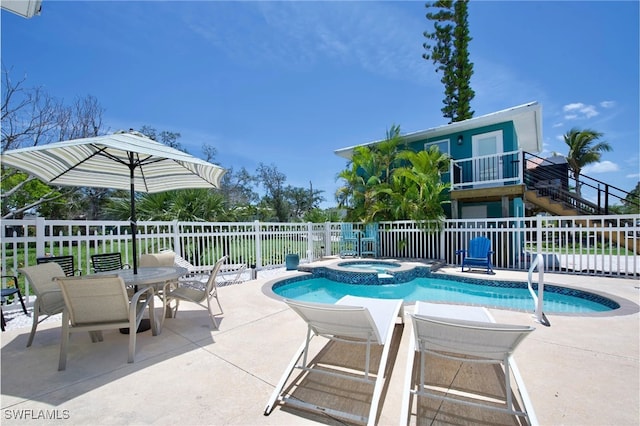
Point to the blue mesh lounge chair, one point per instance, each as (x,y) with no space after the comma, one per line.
(348,240)
(369,240)
(478,254)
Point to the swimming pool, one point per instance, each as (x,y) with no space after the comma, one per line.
(327,285)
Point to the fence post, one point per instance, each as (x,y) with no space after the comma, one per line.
(256,232)
(442,237)
(176,238)
(310,241)
(539,235)
(328,243)
(40,236)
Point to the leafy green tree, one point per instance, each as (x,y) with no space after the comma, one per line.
(31,117)
(302,201)
(189,205)
(584,149)
(448,48)
(272,180)
(388,182)
(164,136)
(420,180)
(318,215)
(631,203)
(366,192)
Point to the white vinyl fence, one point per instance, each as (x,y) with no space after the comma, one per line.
(594,245)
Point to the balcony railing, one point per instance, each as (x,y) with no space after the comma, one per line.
(487,170)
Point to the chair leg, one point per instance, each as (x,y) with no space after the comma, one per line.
(64,342)
(211,314)
(175,310)
(36,309)
(133,328)
(24,308)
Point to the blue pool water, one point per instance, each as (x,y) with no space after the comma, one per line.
(379,267)
(498,294)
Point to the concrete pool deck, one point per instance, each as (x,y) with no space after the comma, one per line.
(582,370)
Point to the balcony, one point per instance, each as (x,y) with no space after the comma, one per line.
(488,177)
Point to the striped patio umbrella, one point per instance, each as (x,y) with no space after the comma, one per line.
(123,160)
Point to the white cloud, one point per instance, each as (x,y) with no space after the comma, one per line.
(601,167)
(633,176)
(607,104)
(578,110)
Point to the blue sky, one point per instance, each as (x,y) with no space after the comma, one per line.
(287,83)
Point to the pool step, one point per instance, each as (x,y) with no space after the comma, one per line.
(385,276)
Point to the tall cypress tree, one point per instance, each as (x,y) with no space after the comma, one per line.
(449,52)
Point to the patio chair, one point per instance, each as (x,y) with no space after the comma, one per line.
(106,262)
(464,334)
(8,291)
(478,254)
(67,263)
(100,302)
(164,258)
(369,240)
(49,300)
(194,291)
(349,241)
(351,320)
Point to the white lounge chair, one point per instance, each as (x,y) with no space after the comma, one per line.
(351,320)
(230,273)
(465,334)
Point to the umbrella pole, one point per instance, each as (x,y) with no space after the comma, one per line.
(134,224)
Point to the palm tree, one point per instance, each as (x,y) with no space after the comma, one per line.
(584,149)
(423,183)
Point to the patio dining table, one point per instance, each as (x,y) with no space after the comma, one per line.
(150,275)
(155,276)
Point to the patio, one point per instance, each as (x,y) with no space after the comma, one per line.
(581,370)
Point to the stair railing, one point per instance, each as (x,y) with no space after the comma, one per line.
(539,169)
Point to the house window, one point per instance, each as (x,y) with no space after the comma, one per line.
(442,145)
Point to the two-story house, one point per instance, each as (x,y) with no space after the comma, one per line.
(487,167)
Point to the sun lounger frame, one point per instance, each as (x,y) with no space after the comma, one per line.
(349,334)
(469,319)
